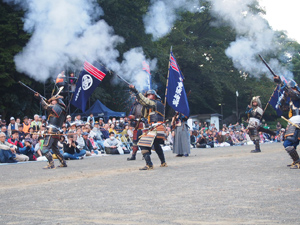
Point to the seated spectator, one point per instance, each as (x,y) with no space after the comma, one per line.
(26,124)
(278,127)
(124,132)
(64,129)
(78,120)
(112,128)
(88,146)
(113,145)
(71,151)
(34,139)
(195,126)
(60,144)
(36,123)
(28,150)
(43,130)
(240,136)
(7,150)
(39,147)
(98,135)
(220,139)
(234,139)
(79,139)
(122,122)
(14,140)
(101,122)
(228,139)
(201,142)
(237,126)
(130,132)
(193,138)
(18,121)
(261,137)
(31,131)
(3,123)
(72,128)
(105,131)
(91,119)
(91,136)
(280,136)
(68,121)
(4,130)
(21,133)
(12,126)
(118,128)
(267,137)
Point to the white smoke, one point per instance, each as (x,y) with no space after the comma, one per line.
(162,15)
(66,32)
(254,36)
(131,68)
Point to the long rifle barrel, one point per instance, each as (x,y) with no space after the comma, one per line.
(262,59)
(24,85)
(123,79)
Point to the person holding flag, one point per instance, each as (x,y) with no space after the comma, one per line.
(153,110)
(176,97)
(181,143)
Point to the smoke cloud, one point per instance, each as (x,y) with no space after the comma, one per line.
(131,68)
(254,36)
(66,33)
(162,15)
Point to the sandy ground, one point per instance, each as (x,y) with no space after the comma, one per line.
(225,185)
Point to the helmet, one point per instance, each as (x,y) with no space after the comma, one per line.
(292,84)
(256,99)
(152,92)
(58,98)
(55,97)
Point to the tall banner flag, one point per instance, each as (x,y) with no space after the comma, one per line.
(175,94)
(89,78)
(146,68)
(275,100)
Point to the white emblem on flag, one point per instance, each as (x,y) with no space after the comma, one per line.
(87,81)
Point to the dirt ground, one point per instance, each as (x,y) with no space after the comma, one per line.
(225,185)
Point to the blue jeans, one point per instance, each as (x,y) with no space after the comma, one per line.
(100,144)
(6,156)
(287,143)
(26,151)
(74,156)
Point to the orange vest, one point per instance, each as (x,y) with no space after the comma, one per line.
(26,127)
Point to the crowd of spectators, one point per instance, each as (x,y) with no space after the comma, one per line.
(204,135)
(22,140)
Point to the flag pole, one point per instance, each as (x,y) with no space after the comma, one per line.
(167,84)
(268,101)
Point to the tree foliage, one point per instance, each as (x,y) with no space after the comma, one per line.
(198,47)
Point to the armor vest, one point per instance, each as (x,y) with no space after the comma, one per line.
(137,110)
(57,116)
(156,114)
(257,113)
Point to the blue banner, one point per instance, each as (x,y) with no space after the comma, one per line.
(89,79)
(176,95)
(276,99)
